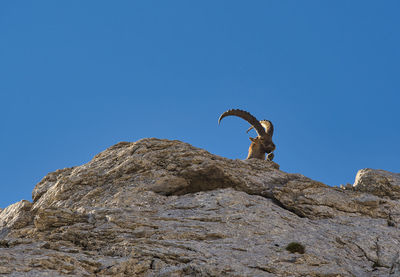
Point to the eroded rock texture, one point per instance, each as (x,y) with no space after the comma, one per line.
(165,208)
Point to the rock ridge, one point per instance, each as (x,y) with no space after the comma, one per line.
(165,208)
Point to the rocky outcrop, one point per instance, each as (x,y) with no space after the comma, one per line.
(165,208)
(381,183)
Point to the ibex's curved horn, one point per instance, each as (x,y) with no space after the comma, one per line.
(248,117)
(268,126)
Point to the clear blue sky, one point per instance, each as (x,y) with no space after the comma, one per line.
(79,76)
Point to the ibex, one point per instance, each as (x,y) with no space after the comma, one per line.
(263,142)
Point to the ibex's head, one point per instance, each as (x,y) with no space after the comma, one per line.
(263,142)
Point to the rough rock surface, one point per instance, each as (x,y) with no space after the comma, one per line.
(165,208)
(378,182)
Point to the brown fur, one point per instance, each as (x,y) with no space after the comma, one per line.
(263,142)
(259,147)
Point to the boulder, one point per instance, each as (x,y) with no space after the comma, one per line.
(379,182)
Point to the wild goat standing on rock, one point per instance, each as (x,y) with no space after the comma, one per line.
(263,142)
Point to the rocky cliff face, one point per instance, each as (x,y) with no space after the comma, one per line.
(165,208)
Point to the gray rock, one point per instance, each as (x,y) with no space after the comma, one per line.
(17,215)
(378,182)
(165,208)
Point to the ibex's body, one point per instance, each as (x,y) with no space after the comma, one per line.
(263,142)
